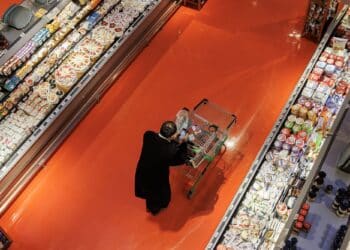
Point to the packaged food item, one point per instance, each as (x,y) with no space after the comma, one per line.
(297,226)
(339,44)
(302,135)
(282,137)
(289,124)
(295,109)
(286,131)
(329,69)
(307,92)
(303,112)
(296,128)
(330,62)
(312,84)
(321,65)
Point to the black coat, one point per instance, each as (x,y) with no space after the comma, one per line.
(152,172)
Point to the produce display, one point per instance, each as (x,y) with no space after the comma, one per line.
(51,72)
(269,200)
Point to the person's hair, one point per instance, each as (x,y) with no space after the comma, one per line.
(168,129)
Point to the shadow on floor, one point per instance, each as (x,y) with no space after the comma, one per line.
(181,208)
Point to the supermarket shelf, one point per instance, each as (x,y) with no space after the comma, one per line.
(325,222)
(18,37)
(32,155)
(273,134)
(315,169)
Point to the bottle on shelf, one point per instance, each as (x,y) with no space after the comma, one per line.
(336,202)
(329,189)
(312,196)
(343,208)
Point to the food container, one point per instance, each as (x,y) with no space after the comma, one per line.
(303,212)
(295,109)
(323,59)
(277,145)
(302,135)
(311,115)
(312,84)
(300,143)
(282,137)
(303,112)
(315,77)
(330,61)
(291,140)
(269,156)
(306,226)
(300,218)
(302,100)
(286,146)
(297,226)
(306,206)
(339,64)
(289,124)
(339,44)
(329,69)
(295,150)
(296,128)
(321,64)
(292,118)
(318,71)
(291,201)
(286,131)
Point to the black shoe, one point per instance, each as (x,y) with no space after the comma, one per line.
(154,211)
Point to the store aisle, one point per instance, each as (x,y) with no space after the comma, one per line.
(239,54)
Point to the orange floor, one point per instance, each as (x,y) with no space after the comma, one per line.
(236,53)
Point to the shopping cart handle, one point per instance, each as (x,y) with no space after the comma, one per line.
(234,120)
(204,101)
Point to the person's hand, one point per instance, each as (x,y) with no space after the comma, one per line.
(184,138)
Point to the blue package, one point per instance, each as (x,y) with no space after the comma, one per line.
(11,83)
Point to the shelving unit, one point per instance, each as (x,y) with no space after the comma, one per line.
(322,216)
(17,38)
(37,148)
(237,200)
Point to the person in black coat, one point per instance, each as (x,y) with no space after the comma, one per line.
(159,152)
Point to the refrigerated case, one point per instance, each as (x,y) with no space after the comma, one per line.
(262,213)
(73,61)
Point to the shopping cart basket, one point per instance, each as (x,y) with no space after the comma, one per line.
(207,127)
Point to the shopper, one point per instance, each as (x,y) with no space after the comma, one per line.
(159,152)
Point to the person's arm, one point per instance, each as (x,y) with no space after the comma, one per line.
(179,154)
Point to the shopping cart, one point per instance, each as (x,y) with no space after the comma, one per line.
(207,127)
